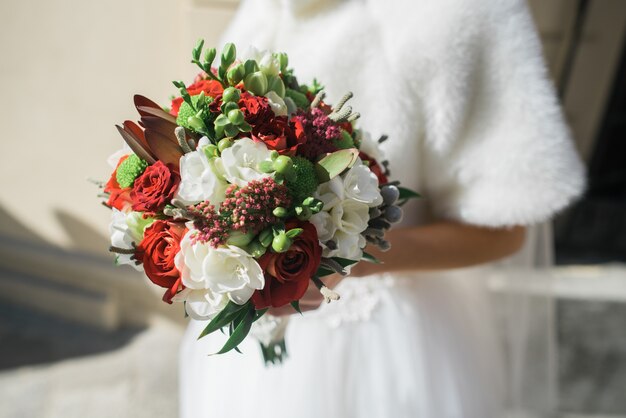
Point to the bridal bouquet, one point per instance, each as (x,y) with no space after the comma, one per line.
(245,190)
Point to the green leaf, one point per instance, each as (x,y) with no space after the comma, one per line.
(345,262)
(296,305)
(240,332)
(407,194)
(336,163)
(322,272)
(370,258)
(226,315)
(293,233)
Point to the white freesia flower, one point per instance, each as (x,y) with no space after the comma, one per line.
(240,161)
(349,246)
(227,270)
(127,229)
(277,104)
(371,147)
(268,63)
(350,216)
(200,179)
(201,304)
(361,184)
(324,225)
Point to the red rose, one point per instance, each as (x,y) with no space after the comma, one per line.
(256,109)
(119,198)
(154,188)
(277,135)
(375,167)
(209,87)
(160,244)
(287,274)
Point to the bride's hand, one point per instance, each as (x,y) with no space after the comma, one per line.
(311,300)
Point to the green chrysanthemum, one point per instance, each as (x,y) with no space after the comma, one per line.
(129,170)
(345,141)
(305,181)
(186,111)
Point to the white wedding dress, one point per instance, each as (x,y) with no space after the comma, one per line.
(473,123)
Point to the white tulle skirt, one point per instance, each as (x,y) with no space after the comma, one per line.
(392,347)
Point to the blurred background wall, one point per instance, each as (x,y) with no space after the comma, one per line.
(68,71)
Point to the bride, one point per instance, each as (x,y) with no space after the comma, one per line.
(474,125)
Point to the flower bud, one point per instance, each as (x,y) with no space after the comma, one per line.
(390,194)
(276,85)
(209,56)
(281,243)
(256,249)
(265,167)
(196,124)
(266,236)
(250,66)
(227,107)
(269,65)
(283,59)
(256,83)
(303,213)
(280,212)
(283,164)
(393,214)
(221,120)
(235,116)
(274,154)
(224,143)
(236,74)
(231,94)
(210,151)
(229,53)
(239,239)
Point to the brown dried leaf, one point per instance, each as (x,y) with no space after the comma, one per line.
(165,150)
(136,145)
(165,128)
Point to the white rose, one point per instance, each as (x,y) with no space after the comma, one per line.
(201,303)
(240,161)
(127,229)
(349,246)
(225,270)
(277,104)
(200,180)
(361,184)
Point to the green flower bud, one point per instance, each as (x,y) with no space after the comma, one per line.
(298,98)
(224,143)
(281,243)
(266,237)
(235,116)
(221,120)
(231,94)
(229,53)
(196,124)
(256,249)
(274,154)
(283,59)
(209,56)
(303,213)
(265,167)
(239,239)
(276,85)
(283,165)
(210,151)
(236,73)
(231,130)
(280,212)
(256,83)
(227,107)
(251,66)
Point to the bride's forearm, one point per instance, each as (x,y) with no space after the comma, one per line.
(442,245)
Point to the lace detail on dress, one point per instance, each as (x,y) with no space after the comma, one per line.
(359,299)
